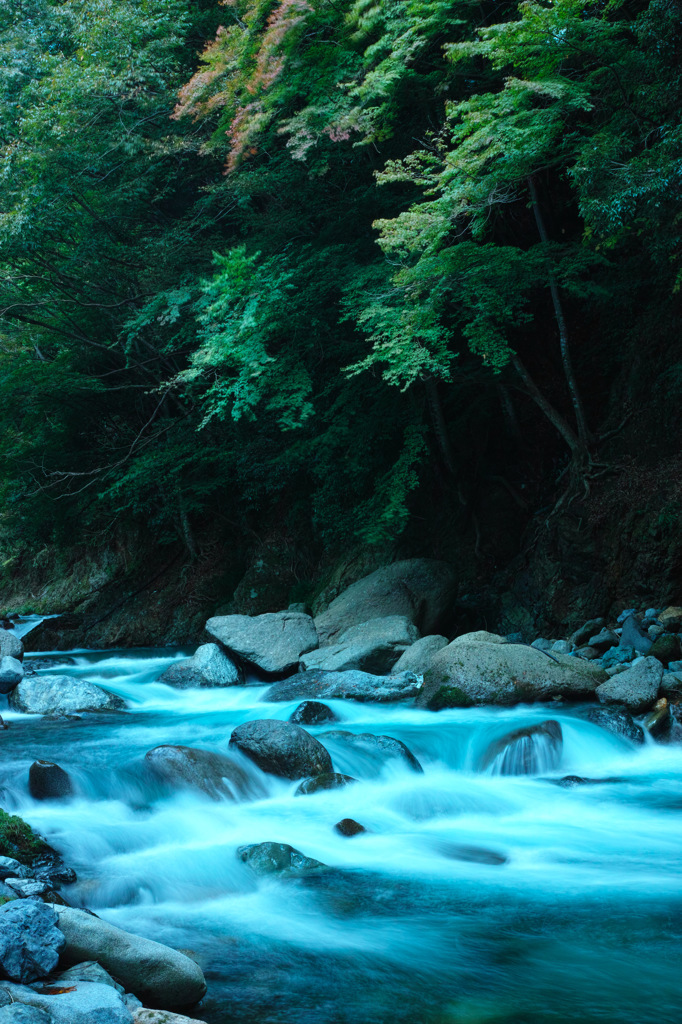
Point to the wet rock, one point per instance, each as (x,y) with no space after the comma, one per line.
(616,657)
(3,724)
(30,940)
(49,867)
(277,859)
(659,720)
(83,1003)
(571,781)
(471,854)
(603,640)
(58,695)
(330,780)
(382,747)
(468,674)
(143,1016)
(422,589)
(349,827)
(633,635)
(583,634)
(11,868)
(156,974)
(675,733)
(671,617)
(214,774)
(372,646)
(528,751)
(635,689)
(47,781)
(311,712)
(418,657)
(273,642)
(11,673)
(358,686)
(27,888)
(16,1013)
(11,646)
(281,748)
(666,648)
(209,666)
(616,721)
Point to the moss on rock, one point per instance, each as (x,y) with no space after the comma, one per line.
(18,840)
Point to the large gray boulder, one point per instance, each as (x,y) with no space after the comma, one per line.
(378,748)
(10,645)
(465,674)
(214,774)
(528,751)
(61,695)
(635,689)
(209,666)
(273,642)
(87,1003)
(156,974)
(277,859)
(372,646)
(418,657)
(281,748)
(359,686)
(30,941)
(422,589)
(11,673)
(16,1013)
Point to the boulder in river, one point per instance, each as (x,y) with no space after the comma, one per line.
(658,721)
(61,695)
(156,974)
(214,774)
(383,748)
(30,940)
(311,712)
(465,674)
(277,859)
(418,657)
(209,666)
(636,688)
(422,589)
(349,827)
(83,1003)
(328,780)
(617,721)
(281,748)
(48,781)
(354,685)
(11,673)
(273,642)
(11,646)
(372,646)
(528,751)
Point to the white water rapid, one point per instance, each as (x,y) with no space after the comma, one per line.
(580,924)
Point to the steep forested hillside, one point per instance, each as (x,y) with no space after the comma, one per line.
(285,278)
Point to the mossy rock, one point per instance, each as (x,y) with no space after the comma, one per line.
(450,697)
(18,840)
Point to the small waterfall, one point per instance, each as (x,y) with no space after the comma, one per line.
(530,751)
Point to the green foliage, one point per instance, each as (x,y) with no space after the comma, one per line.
(18,840)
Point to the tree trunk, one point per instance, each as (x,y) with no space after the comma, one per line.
(552,414)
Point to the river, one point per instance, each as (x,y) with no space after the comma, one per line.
(582,923)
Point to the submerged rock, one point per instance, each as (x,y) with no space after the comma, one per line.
(528,751)
(465,674)
(30,940)
(214,774)
(349,827)
(471,854)
(209,666)
(156,974)
(281,748)
(359,686)
(47,781)
(311,712)
(55,695)
(277,859)
(636,688)
(570,781)
(372,646)
(659,720)
(617,721)
(422,589)
(329,780)
(383,747)
(273,642)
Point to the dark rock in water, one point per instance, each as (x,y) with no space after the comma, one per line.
(47,781)
(349,827)
(529,751)
(675,734)
(352,685)
(49,867)
(311,712)
(277,859)
(633,635)
(3,723)
(30,941)
(570,781)
(616,720)
(659,720)
(281,748)
(330,780)
(383,746)
(666,648)
(273,642)
(636,688)
(473,854)
(213,774)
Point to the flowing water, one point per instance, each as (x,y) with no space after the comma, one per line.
(581,923)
